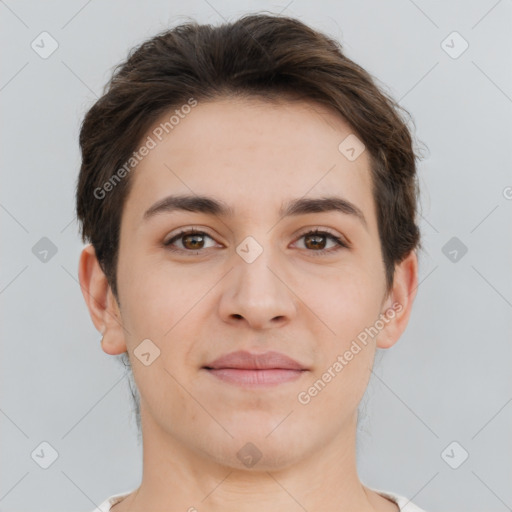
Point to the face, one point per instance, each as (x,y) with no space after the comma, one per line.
(253,278)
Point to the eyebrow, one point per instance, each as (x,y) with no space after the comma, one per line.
(294,207)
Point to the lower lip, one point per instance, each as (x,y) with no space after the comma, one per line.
(256,378)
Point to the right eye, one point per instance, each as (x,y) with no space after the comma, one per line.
(191,240)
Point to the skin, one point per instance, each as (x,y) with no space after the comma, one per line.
(253,155)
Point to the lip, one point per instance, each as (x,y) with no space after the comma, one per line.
(253,370)
(244,360)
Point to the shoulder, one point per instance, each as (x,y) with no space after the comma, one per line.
(403,503)
(106,505)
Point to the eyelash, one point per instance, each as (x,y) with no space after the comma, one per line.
(341,244)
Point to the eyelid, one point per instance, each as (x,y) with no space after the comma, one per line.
(194,228)
(191,230)
(322,230)
(341,241)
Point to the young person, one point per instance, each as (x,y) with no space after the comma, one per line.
(250,197)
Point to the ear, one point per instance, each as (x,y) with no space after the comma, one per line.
(102,304)
(397,306)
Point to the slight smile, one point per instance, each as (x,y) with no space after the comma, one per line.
(255,370)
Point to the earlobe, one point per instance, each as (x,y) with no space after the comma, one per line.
(398,306)
(101,302)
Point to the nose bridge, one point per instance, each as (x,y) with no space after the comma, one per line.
(254,267)
(256,290)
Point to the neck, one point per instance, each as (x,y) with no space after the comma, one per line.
(177,478)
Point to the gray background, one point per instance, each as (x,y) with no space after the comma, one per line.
(448,379)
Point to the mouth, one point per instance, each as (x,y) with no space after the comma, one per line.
(255,370)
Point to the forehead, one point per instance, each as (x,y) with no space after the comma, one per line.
(253,155)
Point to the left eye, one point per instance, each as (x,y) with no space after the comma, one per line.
(192,240)
(314,239)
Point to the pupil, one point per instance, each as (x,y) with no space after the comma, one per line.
(188,237)
(316,244)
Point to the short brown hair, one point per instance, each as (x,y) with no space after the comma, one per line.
(257,55)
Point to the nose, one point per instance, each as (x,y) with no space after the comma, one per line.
(258,293)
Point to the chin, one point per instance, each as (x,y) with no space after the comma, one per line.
(259,448)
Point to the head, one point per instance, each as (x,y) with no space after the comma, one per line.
(244,119)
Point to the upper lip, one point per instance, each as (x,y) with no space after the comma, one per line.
(250,361)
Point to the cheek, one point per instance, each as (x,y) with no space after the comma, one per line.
(156,306)
(350,305)
(152,296)
(147,305)
(161,304)
(339,392)
(345,359)
(160,390)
